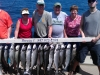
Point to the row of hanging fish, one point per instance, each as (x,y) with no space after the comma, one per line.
(39,56)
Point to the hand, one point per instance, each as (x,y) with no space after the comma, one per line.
(94,40)
(49,36)
(83,40)
(65,37)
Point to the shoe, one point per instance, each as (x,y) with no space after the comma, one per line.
(72,73)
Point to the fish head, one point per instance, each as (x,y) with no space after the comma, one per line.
(57,47)
(51,46)
(46,47)
(40,47)
(6,47)
(1,47)
(62,46)
(23,47)
(17,47)
(12,46)
(29,47)
(74,45)
(68,46)
(34,47)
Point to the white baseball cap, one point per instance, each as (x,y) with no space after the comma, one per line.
(25,12)
(40,2)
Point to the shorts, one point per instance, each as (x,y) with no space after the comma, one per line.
(94,51)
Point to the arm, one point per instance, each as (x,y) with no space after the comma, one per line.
(96,38)
(65,35)
(65,26)
(17,29)
(81,23)
(32,21)
(9,31)
(50,31)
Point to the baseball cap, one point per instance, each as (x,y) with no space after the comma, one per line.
(40,2)
(25,12)
(89,1)
(57,4)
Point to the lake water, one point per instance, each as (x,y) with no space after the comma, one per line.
(13,7)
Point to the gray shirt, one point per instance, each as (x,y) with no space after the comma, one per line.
(91,24)
(41,23)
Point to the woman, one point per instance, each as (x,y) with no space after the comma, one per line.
(72,26)
(24,25)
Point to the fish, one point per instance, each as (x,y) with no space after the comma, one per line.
(28,57)
(56,57)
(39,58)
(61,55)
(45,58)
(17,56)
(23,56)
(51,56)
(33,56)
(73,51)
(11,54)
(5,53)
(1,47)
(67,56)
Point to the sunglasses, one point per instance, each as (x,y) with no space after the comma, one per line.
(57,6)
(89,1)
(41,4)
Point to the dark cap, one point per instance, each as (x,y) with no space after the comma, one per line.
(89,1)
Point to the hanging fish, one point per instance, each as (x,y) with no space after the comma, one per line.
(45,58)
(62,55)
(73,51)
(67,56)
(17,56)
(33,56)
(39,59)
(28,57)
(56,57)
(51,57)
(0,60)
(23,56)
(5,53)
(11,54)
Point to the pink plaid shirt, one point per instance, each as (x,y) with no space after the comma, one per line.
(72,26)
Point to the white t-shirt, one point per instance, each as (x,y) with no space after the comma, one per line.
(58,24)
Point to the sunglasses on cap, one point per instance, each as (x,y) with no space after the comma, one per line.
(89,1)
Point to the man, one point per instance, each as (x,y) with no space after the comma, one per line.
(5,31)
(90,27)
(58,18)
(5,24)
(42,23)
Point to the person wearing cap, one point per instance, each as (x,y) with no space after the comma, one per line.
(90,27)
(58,18)
(42,22)
(72,29)
(24,25)
(23,28)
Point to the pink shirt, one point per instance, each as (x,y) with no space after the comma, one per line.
(72,26)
